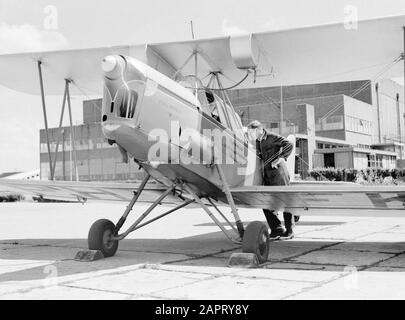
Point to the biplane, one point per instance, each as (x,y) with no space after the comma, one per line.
(166,107)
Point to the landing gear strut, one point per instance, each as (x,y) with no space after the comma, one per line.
(255,239)
(104,235)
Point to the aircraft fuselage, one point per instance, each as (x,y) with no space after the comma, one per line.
(163,126)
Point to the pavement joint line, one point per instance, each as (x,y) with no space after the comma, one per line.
(28,263)
(390,267)
(329,227)
(305,252)
(321,268)
(322,283)
(191,255)
(212,255)
(141,266)
(335,226)
(159,252)
(317,264)
(229,275)
(122,250)
(148,295)
(95,289)
(212,277)
(316,238)
(369,234)
(362,250)
(383,260)
(109,272)
(44,246)
(316,286)
(328,246)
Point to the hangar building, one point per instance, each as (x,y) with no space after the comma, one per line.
(357,124)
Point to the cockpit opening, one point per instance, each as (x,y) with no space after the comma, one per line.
(125,103)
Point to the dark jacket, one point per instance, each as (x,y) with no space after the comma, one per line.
(272,147)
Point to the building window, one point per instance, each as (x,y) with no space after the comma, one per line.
(375,161)
(358,125)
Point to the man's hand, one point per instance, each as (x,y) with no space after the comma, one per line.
(276,162)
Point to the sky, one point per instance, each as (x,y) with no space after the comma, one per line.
(35,25)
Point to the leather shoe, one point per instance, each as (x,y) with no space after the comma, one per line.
(287,235)
(276,234)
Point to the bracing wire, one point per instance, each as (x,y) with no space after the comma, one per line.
(222,89)
(364,86)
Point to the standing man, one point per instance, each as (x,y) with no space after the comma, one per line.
(274,150)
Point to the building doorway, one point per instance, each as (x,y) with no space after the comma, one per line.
(329,160)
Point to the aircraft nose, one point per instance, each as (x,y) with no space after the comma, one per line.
(111,67)
(110,129)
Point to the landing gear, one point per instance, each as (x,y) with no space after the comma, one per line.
(101,237)
(256,240)
(103,234)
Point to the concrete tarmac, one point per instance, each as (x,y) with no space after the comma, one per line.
(184,256)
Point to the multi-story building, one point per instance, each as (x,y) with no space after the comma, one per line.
(97,160)
(357,124)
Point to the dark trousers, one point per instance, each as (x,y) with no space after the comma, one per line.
(277,177)
(275,223)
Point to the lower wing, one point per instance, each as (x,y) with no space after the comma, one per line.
(297,196)
(321,195)
(104,191)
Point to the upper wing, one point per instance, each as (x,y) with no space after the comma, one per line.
(105,191)
(333,53)
(83,67)
(316,54)
(326,53)
(333,195)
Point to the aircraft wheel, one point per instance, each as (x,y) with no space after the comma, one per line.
(256,240)
(99,237)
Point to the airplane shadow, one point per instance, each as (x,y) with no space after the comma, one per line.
(207,250)
(301,223)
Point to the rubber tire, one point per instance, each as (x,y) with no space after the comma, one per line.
(296,219)
(96,235)
(251,240)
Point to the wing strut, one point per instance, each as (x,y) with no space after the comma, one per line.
(41,83)
(403,59)
(66,98)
